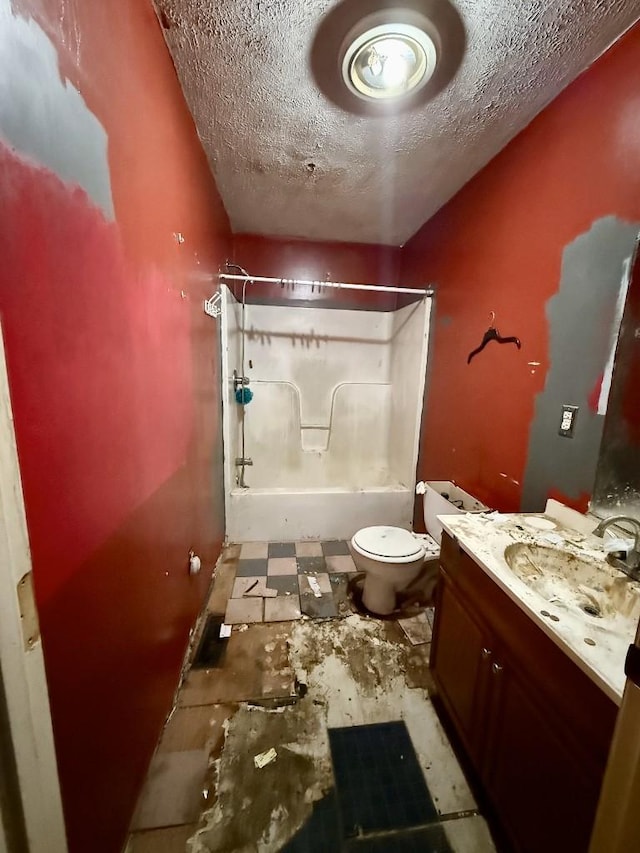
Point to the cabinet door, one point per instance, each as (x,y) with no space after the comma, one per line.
(459,656)
(545,798)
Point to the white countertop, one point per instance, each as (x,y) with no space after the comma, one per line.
(485,536)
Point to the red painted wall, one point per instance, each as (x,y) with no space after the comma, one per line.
(355,263)
(497,246)
(113,371)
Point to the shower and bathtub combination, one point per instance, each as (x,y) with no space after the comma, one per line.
(326,440)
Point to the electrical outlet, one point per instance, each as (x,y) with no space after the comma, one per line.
(568,421)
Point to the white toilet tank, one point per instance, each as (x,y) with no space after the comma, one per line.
(442,497)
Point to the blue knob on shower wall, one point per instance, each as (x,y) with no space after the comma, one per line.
(244,396)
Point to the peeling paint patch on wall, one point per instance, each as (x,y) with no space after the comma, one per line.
(583,319)
(44,116)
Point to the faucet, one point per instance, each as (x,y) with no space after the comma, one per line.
(630,565)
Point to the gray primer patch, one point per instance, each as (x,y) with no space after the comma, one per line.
(581,327)
(43,116)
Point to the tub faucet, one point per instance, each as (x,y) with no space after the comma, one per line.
(630,565)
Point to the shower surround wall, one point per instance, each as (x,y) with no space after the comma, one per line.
(333,425)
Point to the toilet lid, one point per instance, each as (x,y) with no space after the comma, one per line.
(388,542)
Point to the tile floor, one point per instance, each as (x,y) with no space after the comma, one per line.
(284,581)
(287,685)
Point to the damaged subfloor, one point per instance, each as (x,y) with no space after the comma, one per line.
(281,687)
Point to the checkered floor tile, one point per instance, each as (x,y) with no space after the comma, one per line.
(286,569)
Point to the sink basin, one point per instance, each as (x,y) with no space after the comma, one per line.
(579,584)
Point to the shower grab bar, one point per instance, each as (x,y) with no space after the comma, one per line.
(340,285)
(327,426)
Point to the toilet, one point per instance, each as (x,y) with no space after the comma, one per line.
(393,557)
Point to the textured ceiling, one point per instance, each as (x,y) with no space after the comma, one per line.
(244,68)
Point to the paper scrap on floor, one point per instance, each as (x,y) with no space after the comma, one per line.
(315,586)
(263,758)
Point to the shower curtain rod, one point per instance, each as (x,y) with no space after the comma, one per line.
(340,285)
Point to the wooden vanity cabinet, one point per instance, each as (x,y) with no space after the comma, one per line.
(535,728)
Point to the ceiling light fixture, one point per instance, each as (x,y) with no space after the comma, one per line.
(371,58)
(388,61)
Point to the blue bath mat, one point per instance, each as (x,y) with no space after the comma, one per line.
(322,832)
(379,783)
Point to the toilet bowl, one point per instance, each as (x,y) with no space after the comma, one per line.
(392,557)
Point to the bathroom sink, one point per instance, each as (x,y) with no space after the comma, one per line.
(579,584)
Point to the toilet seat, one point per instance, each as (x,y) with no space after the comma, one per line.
(387,544)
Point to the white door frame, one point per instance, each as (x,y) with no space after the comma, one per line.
(26,744)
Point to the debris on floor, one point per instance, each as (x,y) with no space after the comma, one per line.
(262,713)
(256,665)
(263,758)
(261,808)
(357,668)
(315,586)
(417,628)
(254,587)
(348,672)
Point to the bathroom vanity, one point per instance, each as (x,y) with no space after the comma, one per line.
(530,686)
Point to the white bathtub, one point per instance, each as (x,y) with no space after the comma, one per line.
(287,515)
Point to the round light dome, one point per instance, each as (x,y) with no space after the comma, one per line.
(389,61)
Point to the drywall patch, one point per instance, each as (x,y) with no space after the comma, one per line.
(584,319)
(45,117)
